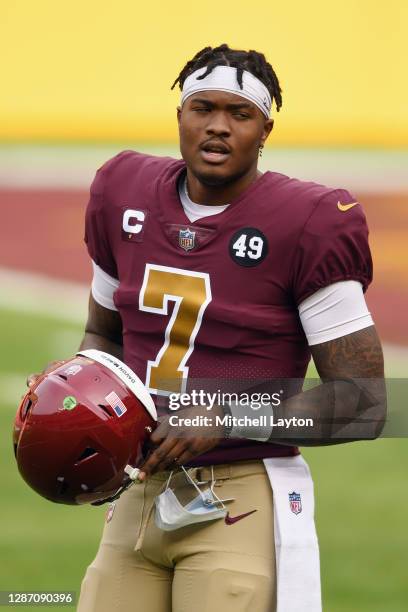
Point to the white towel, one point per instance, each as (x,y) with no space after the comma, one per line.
(296,545)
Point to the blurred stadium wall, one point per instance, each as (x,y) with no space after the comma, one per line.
(80,71)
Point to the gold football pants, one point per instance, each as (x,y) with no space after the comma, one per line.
(205,567)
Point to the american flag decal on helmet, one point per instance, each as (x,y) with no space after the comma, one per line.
(116,403)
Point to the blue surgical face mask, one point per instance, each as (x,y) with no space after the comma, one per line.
(171,514)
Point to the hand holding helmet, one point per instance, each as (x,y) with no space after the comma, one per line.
(79,426)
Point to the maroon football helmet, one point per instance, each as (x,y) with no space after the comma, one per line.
(80,426)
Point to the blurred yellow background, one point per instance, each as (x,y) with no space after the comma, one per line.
(92,70)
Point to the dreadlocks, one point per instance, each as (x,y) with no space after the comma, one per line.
(252,61)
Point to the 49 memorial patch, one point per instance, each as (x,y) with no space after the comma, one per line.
(248,247)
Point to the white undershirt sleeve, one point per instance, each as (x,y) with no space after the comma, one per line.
(334,311)
(103,287)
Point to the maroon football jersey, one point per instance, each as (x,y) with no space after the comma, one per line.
(217,299)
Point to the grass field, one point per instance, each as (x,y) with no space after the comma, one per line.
(361,497)
(361,500)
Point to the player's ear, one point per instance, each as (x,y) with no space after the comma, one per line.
(267,129)
(178,114)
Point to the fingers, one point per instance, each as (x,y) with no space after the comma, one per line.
(32,378)
(53,365)
(161,431)
(161,458)
(173,452)
(185,457)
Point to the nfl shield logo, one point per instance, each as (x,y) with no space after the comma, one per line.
(186,239)
(295,502)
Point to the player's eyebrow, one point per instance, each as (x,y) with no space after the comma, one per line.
(230,106)
(240,105)
(204,101)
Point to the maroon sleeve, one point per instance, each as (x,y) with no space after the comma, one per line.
(96,234)
(333,246)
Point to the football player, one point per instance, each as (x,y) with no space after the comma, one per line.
(209,275)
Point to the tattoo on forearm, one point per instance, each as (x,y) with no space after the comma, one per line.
(357,355)
(351,404)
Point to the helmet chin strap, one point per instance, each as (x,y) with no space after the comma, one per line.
(133,474)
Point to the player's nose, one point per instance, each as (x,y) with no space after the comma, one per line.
(218,124)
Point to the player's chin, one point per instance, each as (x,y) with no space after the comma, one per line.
(215,175)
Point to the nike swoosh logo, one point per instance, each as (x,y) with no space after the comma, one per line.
(230,520)
(344,207)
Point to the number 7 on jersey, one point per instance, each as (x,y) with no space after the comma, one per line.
(191,293)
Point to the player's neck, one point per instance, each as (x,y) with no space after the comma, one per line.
(214,195)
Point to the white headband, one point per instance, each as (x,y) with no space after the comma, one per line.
(224,78)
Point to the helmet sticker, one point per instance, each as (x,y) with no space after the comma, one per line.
(72,370)
(69,402)
(116,403)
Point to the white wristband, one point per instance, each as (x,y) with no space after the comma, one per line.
(245,422)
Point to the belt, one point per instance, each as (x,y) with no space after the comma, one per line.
(222,471)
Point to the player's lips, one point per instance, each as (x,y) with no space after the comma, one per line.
(214,152)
